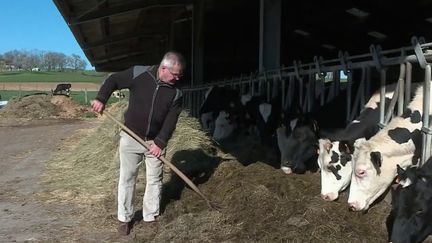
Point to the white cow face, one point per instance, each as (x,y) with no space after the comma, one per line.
(334,159)
(223,126)
(373,172)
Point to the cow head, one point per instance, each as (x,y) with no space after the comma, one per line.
(298,144)
(224,126)
(334,159)
(208,121)
(372,173)
(409,220)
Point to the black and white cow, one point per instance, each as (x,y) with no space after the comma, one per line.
(298,137)
(374,161)
(411,214)
(60,88)
(118,94)
(260,117)
(219,112)
(335,153)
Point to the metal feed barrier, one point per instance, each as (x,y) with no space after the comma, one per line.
(310,85)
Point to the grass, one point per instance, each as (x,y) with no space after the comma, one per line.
(25,76)
(78,96)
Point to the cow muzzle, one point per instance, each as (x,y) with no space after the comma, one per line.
(329,196)
(286,170)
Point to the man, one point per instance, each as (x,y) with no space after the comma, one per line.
(154,107)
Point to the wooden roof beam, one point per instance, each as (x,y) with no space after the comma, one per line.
(120,38)
(104,13)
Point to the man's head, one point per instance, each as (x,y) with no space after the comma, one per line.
(171,67)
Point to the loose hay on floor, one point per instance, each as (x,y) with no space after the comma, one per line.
(259,203)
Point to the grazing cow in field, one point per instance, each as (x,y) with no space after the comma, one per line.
(118,94)
(335,154)
(374,161)
(411,214)
(62,87)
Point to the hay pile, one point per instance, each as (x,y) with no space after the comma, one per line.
(83,175)
(69,108)
(42,107)
(259,203)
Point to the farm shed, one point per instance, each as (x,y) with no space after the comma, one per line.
(262,45)
(224,38)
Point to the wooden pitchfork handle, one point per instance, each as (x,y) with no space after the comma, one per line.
(164,160)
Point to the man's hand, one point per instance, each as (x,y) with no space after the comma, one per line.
(155,150)
(97,106)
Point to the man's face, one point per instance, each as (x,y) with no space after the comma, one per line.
(170,75)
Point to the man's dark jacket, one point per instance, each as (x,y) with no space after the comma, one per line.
(154,106)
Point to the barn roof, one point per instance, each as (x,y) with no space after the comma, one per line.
(115,34)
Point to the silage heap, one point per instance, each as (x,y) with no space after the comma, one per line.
(259,203)
(42,107)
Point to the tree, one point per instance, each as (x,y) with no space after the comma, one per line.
(46,60)
(77,63)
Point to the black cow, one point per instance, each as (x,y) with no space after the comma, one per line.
(62,87)
(411,214)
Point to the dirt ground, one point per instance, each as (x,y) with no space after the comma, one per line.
(24,147)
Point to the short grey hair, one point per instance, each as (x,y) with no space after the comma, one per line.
(173,58)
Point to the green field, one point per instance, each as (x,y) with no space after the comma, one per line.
(25,76)
(79,96)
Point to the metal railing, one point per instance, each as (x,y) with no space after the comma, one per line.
(309,82)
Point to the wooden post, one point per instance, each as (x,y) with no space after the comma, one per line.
(85,96)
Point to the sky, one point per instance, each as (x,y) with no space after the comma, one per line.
(36,24)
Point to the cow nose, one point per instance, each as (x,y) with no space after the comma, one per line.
(353,206)
(286,170)
(329,196)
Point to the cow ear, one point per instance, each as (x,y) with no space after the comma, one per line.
(346,146)
(359,142)
(376,159)
(401,172)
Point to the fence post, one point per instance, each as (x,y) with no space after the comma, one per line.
(85,97)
